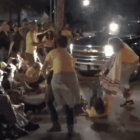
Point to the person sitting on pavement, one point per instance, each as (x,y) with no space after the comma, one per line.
(32,43)
(120,67)
(65,85)
(34,77)
(14,114)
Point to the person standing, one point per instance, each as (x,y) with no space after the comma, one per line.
(32,43)
(5,42)
(64,83)
(66,32)
(17,38)
(49,38)
(120,67)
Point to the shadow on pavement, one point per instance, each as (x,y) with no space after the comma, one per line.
(61,136)
(124,130)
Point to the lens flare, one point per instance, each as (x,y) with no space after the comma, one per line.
(108,49)
(86,2)
(114,27)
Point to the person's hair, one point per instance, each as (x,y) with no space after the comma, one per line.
(4,24)
(15,62)
(62,41)
(37,66)
(8,72)
(65,25)
(99,105)
(51,36)
(116,43)
(32,26)
(80,33)
(73,33)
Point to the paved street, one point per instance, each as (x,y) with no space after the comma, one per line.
(122,124)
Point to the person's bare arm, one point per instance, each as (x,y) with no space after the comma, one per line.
(38,44)
(43,32)
(45,68)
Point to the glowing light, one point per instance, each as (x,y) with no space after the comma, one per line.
(89,36)
(108,49)
(71,48)
(114,27)
(86,2)
(90,46)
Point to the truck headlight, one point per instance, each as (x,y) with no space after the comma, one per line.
(108,50)
(113,28)
(71,48)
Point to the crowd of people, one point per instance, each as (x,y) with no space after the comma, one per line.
(30,55)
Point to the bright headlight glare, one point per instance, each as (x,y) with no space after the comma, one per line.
(71,48)
(114,27)
(86,2)
(108,49)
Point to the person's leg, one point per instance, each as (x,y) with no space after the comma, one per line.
(54,116)
(107,103)
(7,109)
(4,55)
(30,59)
(70,119)
(127,70)
(127,92)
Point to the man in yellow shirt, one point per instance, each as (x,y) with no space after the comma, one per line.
(32,43)
(64,83)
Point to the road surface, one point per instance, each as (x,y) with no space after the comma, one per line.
(121,124)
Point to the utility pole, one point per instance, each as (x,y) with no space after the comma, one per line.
(51,10)
(60,14)
(55,11)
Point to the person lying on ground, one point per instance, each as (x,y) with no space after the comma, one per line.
(14,114)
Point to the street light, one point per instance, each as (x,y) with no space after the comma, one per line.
(86,2)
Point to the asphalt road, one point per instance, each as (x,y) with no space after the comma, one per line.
(121,124)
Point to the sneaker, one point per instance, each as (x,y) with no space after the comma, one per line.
(128,104)
(55,128)
(71,131)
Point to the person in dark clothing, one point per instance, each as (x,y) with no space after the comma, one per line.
(5,42)
(17,40)
(49,38)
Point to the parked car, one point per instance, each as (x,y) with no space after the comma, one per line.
(93,51)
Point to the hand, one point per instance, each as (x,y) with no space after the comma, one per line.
(44,42)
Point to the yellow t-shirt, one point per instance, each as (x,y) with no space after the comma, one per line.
(49,42)
(30,38)
(66,33)
(60,60)
(128,55)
